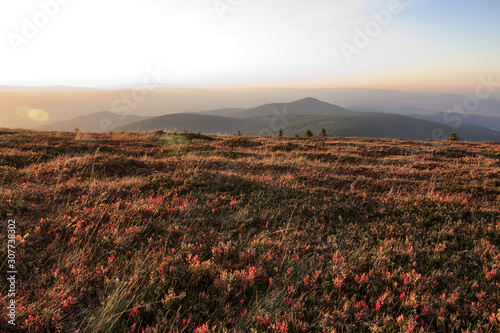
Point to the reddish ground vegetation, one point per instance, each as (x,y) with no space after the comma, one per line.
(153,232)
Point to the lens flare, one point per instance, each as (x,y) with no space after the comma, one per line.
(29,113)
(38,115)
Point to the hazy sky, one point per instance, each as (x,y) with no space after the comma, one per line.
(421,44)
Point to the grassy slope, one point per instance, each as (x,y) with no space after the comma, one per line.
(124,232)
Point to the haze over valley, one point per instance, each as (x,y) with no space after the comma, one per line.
(257,111)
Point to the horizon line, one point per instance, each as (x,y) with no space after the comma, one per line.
(13,88)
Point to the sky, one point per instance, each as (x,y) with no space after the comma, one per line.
(428,45)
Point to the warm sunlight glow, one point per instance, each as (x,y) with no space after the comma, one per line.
(28,113)
(249,43)
(38,115)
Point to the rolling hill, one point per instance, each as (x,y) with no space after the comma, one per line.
(196,123)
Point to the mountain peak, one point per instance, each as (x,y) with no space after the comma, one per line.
(306,106)
(309,100)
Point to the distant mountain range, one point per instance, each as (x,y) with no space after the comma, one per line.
(295,118)
(66,103)
(309,113)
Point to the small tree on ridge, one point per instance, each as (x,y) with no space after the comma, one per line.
(454,137)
